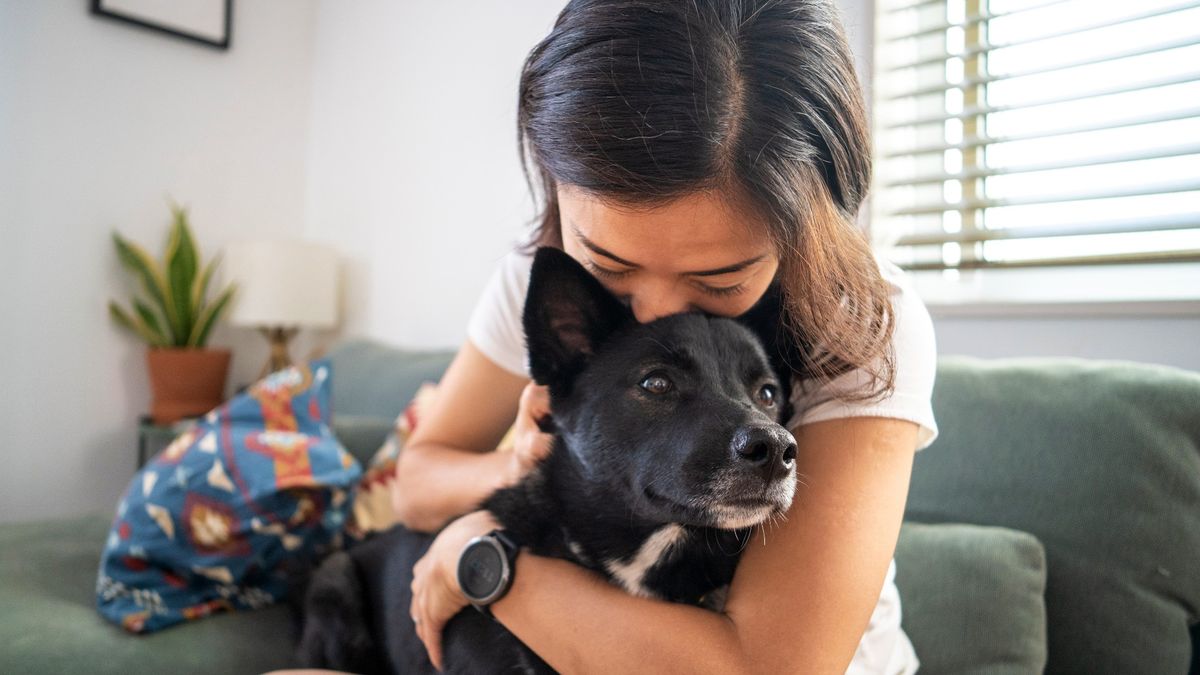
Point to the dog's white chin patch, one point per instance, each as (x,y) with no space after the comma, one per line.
(656,549)
(729,517)
(735,518)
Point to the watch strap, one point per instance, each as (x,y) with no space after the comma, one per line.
(510,543)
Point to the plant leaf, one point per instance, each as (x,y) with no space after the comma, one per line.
(142,330)
(200,287)
(146,269)
(209,318)
(151,321)
(181,272)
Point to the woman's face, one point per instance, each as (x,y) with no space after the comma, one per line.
(695,253)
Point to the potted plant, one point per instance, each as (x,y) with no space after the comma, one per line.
(175,317)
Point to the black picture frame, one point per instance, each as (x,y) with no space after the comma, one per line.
(99,8)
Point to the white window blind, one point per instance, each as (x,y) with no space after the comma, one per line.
(1013,133)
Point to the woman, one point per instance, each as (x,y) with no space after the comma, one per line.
(689,153)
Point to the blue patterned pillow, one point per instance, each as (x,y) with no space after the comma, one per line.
(211,523)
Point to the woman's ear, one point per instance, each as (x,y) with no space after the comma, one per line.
(568,314)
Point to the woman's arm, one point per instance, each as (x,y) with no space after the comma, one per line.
(799,604)
(446,468)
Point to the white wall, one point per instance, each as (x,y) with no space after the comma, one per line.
(98,123)
(1167,340)
(413,164)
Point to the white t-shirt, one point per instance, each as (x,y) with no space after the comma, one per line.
(495,329)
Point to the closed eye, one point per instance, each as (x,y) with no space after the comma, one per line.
(722,291)
(605,272)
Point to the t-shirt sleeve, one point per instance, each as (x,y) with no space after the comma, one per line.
(495,326)
(915,369)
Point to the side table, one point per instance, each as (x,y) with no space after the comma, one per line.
(152,438)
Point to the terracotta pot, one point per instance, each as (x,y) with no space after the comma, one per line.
(186,382)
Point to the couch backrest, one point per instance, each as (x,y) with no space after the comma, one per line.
(1100,461)
(372,379)
(372,384)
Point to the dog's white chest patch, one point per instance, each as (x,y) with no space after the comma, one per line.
(655,549)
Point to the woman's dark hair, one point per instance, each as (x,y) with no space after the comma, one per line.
(640,102)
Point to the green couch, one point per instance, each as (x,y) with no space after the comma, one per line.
(1054,525)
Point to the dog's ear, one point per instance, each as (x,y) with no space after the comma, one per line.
(568,313)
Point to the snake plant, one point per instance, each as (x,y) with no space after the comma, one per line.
(174,311)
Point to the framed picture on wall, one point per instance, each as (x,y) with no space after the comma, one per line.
(207,22)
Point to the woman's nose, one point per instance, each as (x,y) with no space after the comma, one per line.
(655,304)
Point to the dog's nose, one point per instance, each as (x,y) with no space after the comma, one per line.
(764,446)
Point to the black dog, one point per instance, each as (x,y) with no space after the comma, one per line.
(667,450)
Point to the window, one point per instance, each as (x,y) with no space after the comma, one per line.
(1037,134)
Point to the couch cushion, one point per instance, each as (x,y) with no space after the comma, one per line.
(1101,462)
(971,598)
(362,435)
(49,623)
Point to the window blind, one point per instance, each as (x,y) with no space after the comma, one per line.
(1012,133)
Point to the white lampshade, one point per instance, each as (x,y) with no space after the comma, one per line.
(283,283)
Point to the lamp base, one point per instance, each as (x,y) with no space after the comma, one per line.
(278,339)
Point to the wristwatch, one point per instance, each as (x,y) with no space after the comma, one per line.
(486,567)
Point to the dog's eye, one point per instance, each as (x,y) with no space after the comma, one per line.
(767,395)
(656,384)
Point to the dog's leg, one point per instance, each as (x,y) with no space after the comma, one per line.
(336,634)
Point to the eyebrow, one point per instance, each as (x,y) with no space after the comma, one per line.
(600,251)
(728,269)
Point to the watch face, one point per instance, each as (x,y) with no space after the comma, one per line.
(480,569)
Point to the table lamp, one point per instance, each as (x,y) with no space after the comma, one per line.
(283,285)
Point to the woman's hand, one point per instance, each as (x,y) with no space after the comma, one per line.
(436,596)
(530,443)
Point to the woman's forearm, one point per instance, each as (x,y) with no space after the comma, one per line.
(436,483)
(653,636)
(798,604)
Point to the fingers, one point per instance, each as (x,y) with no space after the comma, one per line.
(430,621)
(535,406)
(535,401)
(544,443)
(427,625)
(537,445)
(530,443)
(430,633)
(436,597)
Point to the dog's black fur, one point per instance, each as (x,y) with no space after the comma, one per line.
(679,472)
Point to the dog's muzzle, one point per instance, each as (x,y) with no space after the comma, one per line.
(758,481)
(767,449)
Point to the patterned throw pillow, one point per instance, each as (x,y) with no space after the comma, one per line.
(373,510)
(212,523)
